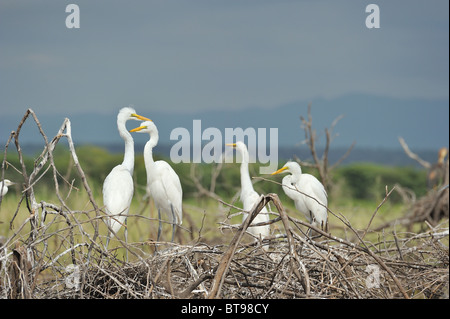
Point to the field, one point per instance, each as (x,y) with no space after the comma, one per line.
(387,236)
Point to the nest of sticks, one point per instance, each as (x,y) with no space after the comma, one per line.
(290,265)
(62,255)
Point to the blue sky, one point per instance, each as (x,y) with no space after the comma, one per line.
(191,56)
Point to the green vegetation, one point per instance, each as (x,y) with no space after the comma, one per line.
(367,181)
(355,191)
(358,181)
(72,225)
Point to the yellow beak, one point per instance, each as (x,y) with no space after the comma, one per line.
(279,171)
(137,129)
(140,117)
(232,145)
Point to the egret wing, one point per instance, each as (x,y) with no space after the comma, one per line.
(118,191)
(165,189)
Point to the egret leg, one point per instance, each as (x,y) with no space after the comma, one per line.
(312,221)
(160,225)
(308,232)
(108,237)
(173,223)
(126,238)
(107,240)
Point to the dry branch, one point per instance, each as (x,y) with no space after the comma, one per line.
(434,206)
(412,155)
(321,164)
(36,261)
(226,259)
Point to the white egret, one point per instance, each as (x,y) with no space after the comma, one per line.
(4,186)
(249,196)
(118,185)
(315,213)
(163,184)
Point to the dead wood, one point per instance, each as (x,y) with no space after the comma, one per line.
(57,252)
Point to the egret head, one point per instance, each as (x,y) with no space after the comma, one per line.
(291,167)
(146,127)
(238,145)
(6,182)
(4,186)
(129,113)
(241,149)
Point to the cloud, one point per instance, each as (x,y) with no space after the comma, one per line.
(205,54)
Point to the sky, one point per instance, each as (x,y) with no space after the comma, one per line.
(181,57)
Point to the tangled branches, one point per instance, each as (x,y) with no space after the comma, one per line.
(398,266)
(434,206)
(57,252)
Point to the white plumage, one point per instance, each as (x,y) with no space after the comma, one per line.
(315,213)
(117,195)
(118,185)
(4,186)
(163,184)
(249,196)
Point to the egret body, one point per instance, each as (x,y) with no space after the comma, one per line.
(249,196)
(163,184)
(118,185)
(313,206)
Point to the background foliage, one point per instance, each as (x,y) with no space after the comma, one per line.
(362,181)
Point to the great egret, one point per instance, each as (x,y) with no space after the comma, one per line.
(249,196)
(4,186)
(163,184)
(118,185)
(315,213)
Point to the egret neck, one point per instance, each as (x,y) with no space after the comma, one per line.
(128,157)
(148,151)
(246,182)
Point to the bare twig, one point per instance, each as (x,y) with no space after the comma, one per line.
(321,164)
(412,155)
(227,257)
(294,266)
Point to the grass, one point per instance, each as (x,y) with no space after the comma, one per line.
(205,236)
(358,212)
(75,233)
(202,217)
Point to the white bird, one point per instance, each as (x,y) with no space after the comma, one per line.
(4,186)
(249,196)
(315,213)
(118,185)
(163,184)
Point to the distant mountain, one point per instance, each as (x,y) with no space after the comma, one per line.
(374,123)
